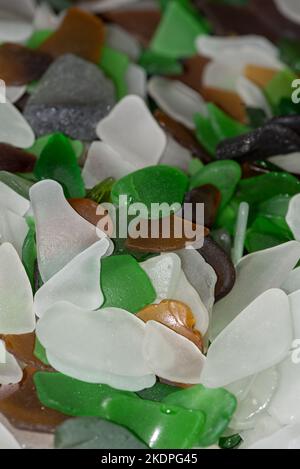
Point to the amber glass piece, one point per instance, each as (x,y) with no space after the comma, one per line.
(261,76)
(208,195)
(20,65)
(175,315)
(22,347)
(80,33)
(179,234)
(182,135)
(228,101)
(15,160)
(140,23)
(22,408)
(193,70)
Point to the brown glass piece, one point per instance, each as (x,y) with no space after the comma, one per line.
(228,101)
(261,76)
(222,265)
(182,135)
(141,24)
(15,160)
(208,195)
(20,65)
(22,347)
(80,33)
(175,240)
(193,70)
(253,18)
(88,209)
(175,315)
(22,408)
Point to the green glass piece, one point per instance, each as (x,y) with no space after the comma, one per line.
(206,134)
(38,37)
(156,64)
(256,241)
(224,175)
(227,217)
(240,232)
(260,188)
(286,107)
(115,65)
(290,53)
(153,185)
(276,206)
(218,406)
(125,284)
(73,397)
(273,225)
(17,183)
(29,253)
(230,442)
(58,161)
(41,142)
(102,191)
(280,87)
(94,433)
(256,117)
(177,32)
(60,4)
(40,352)
(158,392)
(160,426)
(223,125)
(194,166)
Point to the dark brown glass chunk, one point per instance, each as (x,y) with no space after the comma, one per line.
(208,195)
(15,160)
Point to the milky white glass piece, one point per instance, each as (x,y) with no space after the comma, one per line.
(16,300)
(136,80)
(7,440)
(94,340)
(293,216)
(45,18)
(2,352)
(77,283)
(252,95)
(292,281)
(103,162)
(100,6)
(285,405)
(224,72)
(256,273)
(62,234)
(14,129)
(10,371)
(125,383)
(290,9)
(241,388)
(258,338)
(13,229)
(264,427)
(171,356)
(119,39)
(16,20)
(214,47)
(131,130)
(289,163)
(285,438)
(164,272)
(200,274)
(14,93)
(12,200)
(294,299)
(257,400)
(176,155)
(177,100)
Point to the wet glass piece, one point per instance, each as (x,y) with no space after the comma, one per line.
(24,410)
(156,64)
(223,175)
(58,162)
(257,168)
(41,142)
(73,397)
(270,140)
(175,315)
(101,192)
(227,101)
(260,188)
(40,352)
(158,392)
(80,33)
(71,98)
(167,41)
(14,130)
(218,406)
(87,209)
(156,184)
(20,65)
(182,135)
(29,254)
(280,87)
(290,53)
(115,65)
(193,70)
(17,183)
(208,195)
(93,433)
(15,160)
(124,284)
(163,426)
(222,265)
(240,233)
(260,76)
(22,348)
